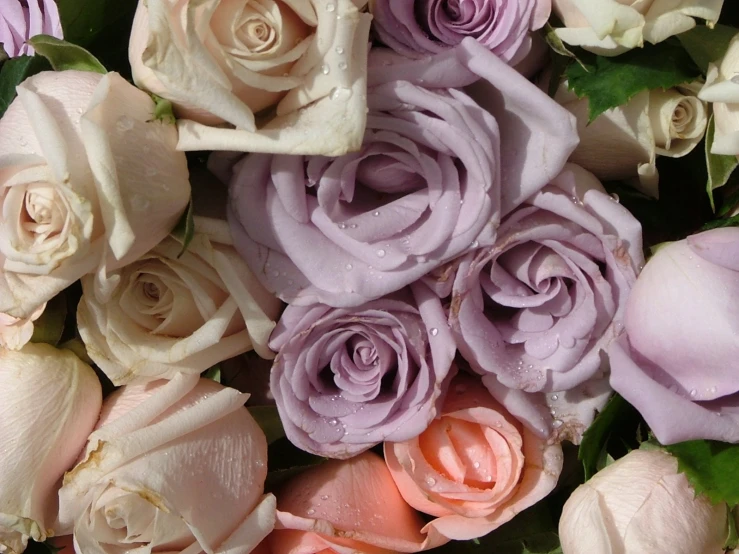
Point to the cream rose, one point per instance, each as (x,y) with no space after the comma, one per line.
(286,76)
(88,182)
(722,88)
(174,466)
(49,403)
(624,142)
(611,27)
(171,314)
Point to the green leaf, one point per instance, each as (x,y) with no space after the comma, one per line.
(611,82)
(49,327)
(84,20)
(163,110)
(214,373)
(706,45)
(732,537)
(720,167)
(269,420)
(3,54)
(711,467)
(14,72)
(64,55)
(719,223)
(184,231)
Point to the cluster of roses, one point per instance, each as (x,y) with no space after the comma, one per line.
(452,282)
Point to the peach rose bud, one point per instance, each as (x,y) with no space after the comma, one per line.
(475,467)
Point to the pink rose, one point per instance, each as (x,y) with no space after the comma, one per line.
(23,19)
(94,178)
(475,467)
(174,466)
(346,506)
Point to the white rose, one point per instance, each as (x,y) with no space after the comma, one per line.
(49,403)
(88,182)
(611,27)
(624,142)
(722,88)
(287,76)
(173,314)
(174,466)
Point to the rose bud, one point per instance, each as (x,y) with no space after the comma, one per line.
(23,19)
(537,309)
(475,467)
(49,403)
(173,313)
(425,187)
(174,466)
(676,362)
(89,181)
(236,62)
(611,27)
(346,379)
(722,89)
(641,503)
(421,27)
(346,506)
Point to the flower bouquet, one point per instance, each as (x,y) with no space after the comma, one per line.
(316,276)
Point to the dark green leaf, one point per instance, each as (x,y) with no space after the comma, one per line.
(711,467)
(49,327)
(706,45)
(611,82)
(14,72)
(269,420)
(64,55)
(719,167)
(84,20)
(184,231)
(214,373)
(718,223)
(3,54)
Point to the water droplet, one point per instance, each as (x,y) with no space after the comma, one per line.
(557,423)
(339,50)
(342,225)
(333,423)
(139,203)
(376,213)
(330,7)
(693,392)
(275,274)
(325,69)
(342,66)
(430,481)
(124,123)
(615,197)
(353,225)
(713,390)
(23,142)
(476,465)
(555,397)
(311,512)
(434,332)
(349,267)
(324,497)
(475,244)
(381,253)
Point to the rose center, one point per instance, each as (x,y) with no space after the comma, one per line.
(43,215)
(682,117)
(453,10)
(257,34)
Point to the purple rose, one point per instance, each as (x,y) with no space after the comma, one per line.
(23,19)
(425,187)
(346,379)
(536,309)
(417,28)
(677,361)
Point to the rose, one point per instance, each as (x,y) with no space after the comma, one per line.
(16,332)
(23,19)
(537,308)
(722,89)
(641,503)
(324,510)
(39,445)
(425,186)
(174,466)
(623,142)
(346,379)
(611,27)
(172,313)
(302,62)
(475,467)
(88,182)
(674,364)
(422,27)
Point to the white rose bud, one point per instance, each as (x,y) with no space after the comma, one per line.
(611,27)
(722,88)
(49,403)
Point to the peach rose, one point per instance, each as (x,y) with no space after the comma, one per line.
(174,466)
(475,467)
(49,403)
(89,181)
(287,76)
(346,506)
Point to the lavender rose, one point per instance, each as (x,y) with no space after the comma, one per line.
(23,19)
(416,28)
(347,379)
(537,308)
(677,361)
(424,188)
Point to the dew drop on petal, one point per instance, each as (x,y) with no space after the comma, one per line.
(430,481)
(325,69)
(349,267)
(434,332)
(381,253)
